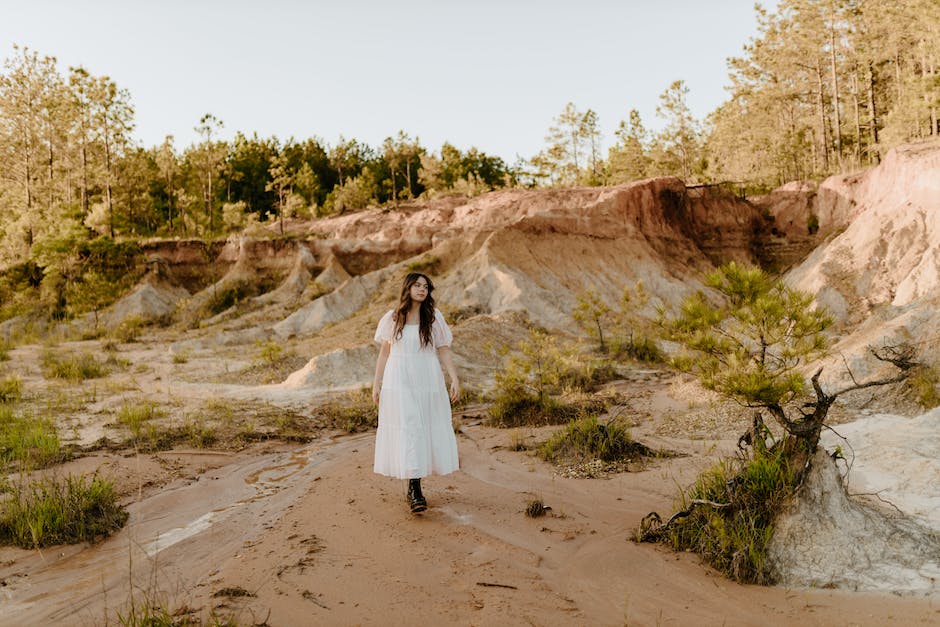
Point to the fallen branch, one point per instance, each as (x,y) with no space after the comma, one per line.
(496,585)
(648,532)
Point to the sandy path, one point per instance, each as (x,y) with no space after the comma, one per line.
(319,539)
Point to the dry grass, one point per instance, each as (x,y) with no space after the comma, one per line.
(352,413)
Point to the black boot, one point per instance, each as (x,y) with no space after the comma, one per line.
(416,500)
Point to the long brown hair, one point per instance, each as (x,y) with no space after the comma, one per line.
(426,311)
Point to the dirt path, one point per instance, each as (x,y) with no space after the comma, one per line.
(316,538)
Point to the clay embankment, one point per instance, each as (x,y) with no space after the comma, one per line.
(530,252)
(878,271)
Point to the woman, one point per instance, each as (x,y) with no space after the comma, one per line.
(415,437)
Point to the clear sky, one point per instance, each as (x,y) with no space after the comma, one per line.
(486,73)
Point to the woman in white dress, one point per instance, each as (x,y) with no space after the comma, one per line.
(415,437)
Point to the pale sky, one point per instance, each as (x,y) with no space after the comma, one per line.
(488,73)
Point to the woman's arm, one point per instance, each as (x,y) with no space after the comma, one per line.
(380,371)
(443,353)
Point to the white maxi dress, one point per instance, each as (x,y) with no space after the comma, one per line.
(415,437)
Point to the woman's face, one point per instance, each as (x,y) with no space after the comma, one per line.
(419,290)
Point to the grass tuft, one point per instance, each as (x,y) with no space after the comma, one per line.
(70,366)
(923,385)
(135,417)
(589,439)
(522,410)
(51,511)
(535,508)
(11,389)
(354,413)
(641,348)
(734,539)
(428,264)
(27,441)
(152,611)
(129,329)
(270,352)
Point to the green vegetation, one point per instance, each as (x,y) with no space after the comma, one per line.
(749,347)
(429,264)
(923,386)
(224,297)
(129,329)
(27,441)
(535,508)
(137,419)
(812,224)
(143,421)
(622,331)
(51,511)
(587,439)
(733,538)
(354,413)
(154,611)
(531,385)
(70,366)
(198,434)
(11,389)
(270,352)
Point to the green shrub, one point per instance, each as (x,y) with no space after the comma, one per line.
(233,293)
(222,299)
(11,389)
(535,508)
(585,375)
(356,412)
(734,539)
(588,439)
(518,410)
(922,384)
(129,329)
(426,265)
(199,434)
(640,348)
(137,420)
(270,352)
(812,224)
(528,385)
(51,511)
(28,441)
(70,366)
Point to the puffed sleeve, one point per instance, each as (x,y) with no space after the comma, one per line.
(440,332)
(386,328)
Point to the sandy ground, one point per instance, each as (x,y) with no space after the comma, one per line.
(284,534)
(307,534)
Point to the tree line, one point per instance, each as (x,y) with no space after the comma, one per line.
(826,86)
(70,169)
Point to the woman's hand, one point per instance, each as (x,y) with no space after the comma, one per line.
(375,393)
(454,390)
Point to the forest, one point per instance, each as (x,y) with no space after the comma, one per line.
(827,86)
